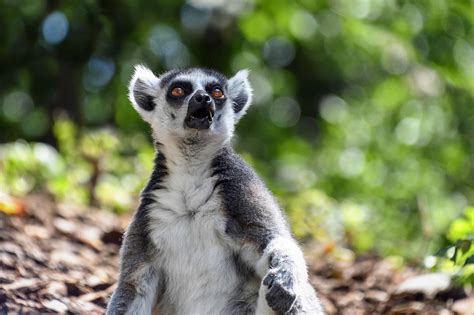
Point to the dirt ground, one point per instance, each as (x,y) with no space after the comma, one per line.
(63,259)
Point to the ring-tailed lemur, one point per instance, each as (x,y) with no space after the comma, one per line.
(208,236)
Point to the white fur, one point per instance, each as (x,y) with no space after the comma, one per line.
(151,83)
(238,82)
(195,255)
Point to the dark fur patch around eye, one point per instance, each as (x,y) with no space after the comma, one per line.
(239,101)
(143,99)
(185,85)
(187,88)
(212,85)
(168,77)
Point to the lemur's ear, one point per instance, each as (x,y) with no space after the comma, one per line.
(142,90)
(240,93)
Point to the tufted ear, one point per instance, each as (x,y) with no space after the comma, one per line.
(240,93)
(142,90)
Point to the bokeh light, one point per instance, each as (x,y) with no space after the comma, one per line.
(426,81)
(166,43)
(463,53)
(285,112)
(195,19)
(303,25)
(395,59)
(333,109)
(358,9)
(329,23)
(278,52)
(351,162)
(261,84)
(16,105)
(98,73)
(36,123)
(55,28)
(408,130)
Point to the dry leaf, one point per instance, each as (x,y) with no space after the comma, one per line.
(11,206)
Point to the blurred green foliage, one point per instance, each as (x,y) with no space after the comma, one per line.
(98,167)
(363,119)
(458,257)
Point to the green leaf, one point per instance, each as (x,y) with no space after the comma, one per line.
(464,245)
(443,251)
(469,260)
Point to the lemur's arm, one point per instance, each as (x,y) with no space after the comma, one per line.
(256,219)
(139,279)
(285,278)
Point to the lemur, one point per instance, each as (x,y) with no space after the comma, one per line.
(208,237)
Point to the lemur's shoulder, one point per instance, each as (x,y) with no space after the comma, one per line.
(229,165)
(253,212)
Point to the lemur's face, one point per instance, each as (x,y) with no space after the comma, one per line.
(192,103)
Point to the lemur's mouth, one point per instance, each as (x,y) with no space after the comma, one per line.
(201,118)
(202,113)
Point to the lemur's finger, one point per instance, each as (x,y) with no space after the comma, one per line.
(269,279)
(280,299)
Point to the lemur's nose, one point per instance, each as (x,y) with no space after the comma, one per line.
(201,111)
(202,98)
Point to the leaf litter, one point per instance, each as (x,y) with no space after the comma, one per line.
(63,259)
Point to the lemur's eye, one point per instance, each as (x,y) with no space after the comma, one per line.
(217,93)
(177,92)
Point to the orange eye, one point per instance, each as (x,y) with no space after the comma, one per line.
(177,92)
(217,93)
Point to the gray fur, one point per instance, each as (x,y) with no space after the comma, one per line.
(208,236)
(144,100)
(253,214)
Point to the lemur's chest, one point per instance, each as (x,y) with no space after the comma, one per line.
(187,224)
(186,196)
(187,214)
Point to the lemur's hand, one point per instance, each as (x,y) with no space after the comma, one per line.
(282,283)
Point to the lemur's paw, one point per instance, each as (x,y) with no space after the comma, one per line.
(281,295)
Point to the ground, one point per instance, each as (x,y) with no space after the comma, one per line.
(56,258)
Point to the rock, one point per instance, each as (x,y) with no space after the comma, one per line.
(37,231)
(56,306)
(464,306)
(350,299)
(428,284)
(65,226)
(30,285)
(89,235)
(56,289)
(376,296)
